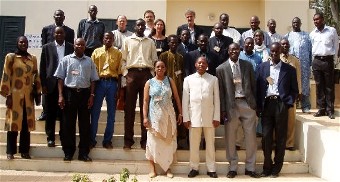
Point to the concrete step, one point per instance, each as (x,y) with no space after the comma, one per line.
(135,167)
(117,153)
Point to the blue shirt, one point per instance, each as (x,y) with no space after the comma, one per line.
(254,59)
(77,72)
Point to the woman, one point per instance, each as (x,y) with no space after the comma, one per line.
(160,120)
(19,75)
(158,36)
(259,47)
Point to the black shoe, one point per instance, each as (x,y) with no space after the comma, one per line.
(231,174)
(92,145)
(25,156)
(212,174)
(319,113)
(252,174)
(193,173)
(127,147)
(84,158)
(291,148)
(67,158)
(51,143)
(331,116)
(143,147)
(10,156)
(238,147)
(263,174)
(108,145)
(42,117)
(274,175)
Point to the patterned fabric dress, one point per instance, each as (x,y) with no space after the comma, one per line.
(161,137)
(17,80)
(301,47)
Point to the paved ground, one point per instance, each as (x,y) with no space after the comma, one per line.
(11,175)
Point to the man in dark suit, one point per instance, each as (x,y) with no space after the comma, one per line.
(238,105)
(51,54)
(277,90)
(220,43)
(185,46)
(47,36)
(203,50)
(194,30)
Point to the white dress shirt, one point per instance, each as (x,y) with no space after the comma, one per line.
(324,43)
(273,89)
(60,50)
(230,32)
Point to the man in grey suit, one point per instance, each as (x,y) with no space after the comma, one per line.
(238,104)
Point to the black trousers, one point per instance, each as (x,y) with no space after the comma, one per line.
(76,105)
(274,118)
(53,111)
(323,71)
(24,141)
(88,51)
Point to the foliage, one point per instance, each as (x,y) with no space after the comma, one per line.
(124,175)
(80,178)
(111,179)
(331,11)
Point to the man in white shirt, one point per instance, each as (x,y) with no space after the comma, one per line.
(201,111)
(228,31)
(121,33)
(149,18)
(274,37)
(254,25)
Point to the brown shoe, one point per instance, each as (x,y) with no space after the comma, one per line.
(10,156)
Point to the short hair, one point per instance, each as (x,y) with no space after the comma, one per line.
(259,31)
(121,16)
(248,39)
(173,36)
(270,21)
(225,14)
(202,57)
(319,13)
(189,11)
(139,19)
(149,11)
(60,11)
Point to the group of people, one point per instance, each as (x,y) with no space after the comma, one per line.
(186,84)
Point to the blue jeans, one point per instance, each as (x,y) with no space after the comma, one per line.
(107,89)
(305,102)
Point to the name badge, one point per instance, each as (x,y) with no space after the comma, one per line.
(75,72)
(106,65)
(159,50)
(217,49)
(237,80)
(270,80)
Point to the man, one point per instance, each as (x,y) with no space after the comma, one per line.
(149,18)
(139,54)
(47,33)
(76,75)
(175,69)
(237,94)
(254,25)
(47,36)
(92,31)
(202,51)
(274,36)
(121,33)
(194,30)
(201,111)
(107,60)
(325,45)
(301,47)
(51,55)
(219,43)
(293,61)
(228,31)
(277,89)
(185,46)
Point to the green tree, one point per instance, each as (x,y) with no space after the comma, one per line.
(331,11)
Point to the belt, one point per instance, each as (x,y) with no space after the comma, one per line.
(273,97)
(324,58)
(139,69)
(78,89)
(240,97)
(109,78)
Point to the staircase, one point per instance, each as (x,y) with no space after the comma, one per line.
(112,161)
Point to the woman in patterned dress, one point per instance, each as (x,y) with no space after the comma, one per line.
(160,120)
(20,73)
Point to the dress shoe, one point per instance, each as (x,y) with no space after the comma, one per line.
(127,147)
(263,174)
(67,158)
(169,174)
(193,173)
(231,174)
(84,158)
(51,143)
(290,148)
(274,175)
(212,174)
(25,156)
(143,147)
(92,145)
(319,113)
(252,174)
(152,174)
(238,147)
(10,156)
(108,145)
(331,116)
(42,117)
(307,111)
